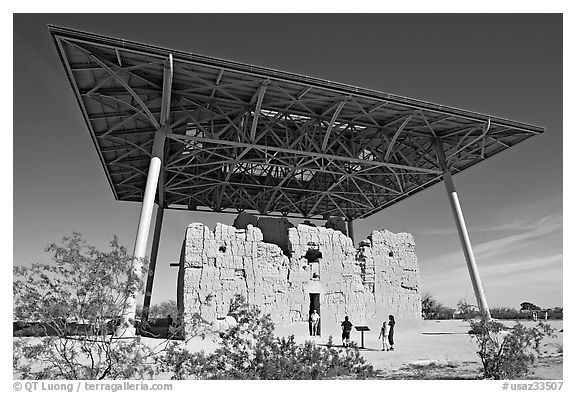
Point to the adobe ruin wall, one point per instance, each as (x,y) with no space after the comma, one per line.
(381,277)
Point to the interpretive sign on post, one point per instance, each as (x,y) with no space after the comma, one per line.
(362,329)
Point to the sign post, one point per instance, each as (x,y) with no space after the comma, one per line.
(362,329)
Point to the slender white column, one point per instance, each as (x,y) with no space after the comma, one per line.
(145,219)
(147,208)
(150,190)
(463,233)
(149,194)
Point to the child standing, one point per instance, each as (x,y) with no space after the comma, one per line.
(384,335)
(346,329)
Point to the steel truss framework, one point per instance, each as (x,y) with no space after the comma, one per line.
(245,138)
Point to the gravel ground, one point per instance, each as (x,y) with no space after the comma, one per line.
(434,350)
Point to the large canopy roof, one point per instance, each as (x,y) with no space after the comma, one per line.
(247,138)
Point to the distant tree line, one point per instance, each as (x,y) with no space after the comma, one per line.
(433,309)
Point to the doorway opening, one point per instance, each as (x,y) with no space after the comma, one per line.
(315,305)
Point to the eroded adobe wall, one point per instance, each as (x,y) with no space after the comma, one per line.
(379,278)
(217,265)
(340,285)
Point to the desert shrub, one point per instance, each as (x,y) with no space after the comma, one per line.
(508,353)
(250,350)
(70,307)
(433,309)
(466,310)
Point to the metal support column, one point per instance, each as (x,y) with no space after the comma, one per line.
(462,231)
(145,219)
(152,266)
(351,229)
(154,173)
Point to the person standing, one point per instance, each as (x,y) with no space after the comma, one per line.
(391,323)
(384,332)
(346,329)
(314,322)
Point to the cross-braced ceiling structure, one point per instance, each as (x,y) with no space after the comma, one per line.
(247,138)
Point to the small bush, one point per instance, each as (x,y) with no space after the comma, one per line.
(508,353)
(433,309)
(75,303)
(250,350)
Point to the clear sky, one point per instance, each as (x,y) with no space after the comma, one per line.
(503,65)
